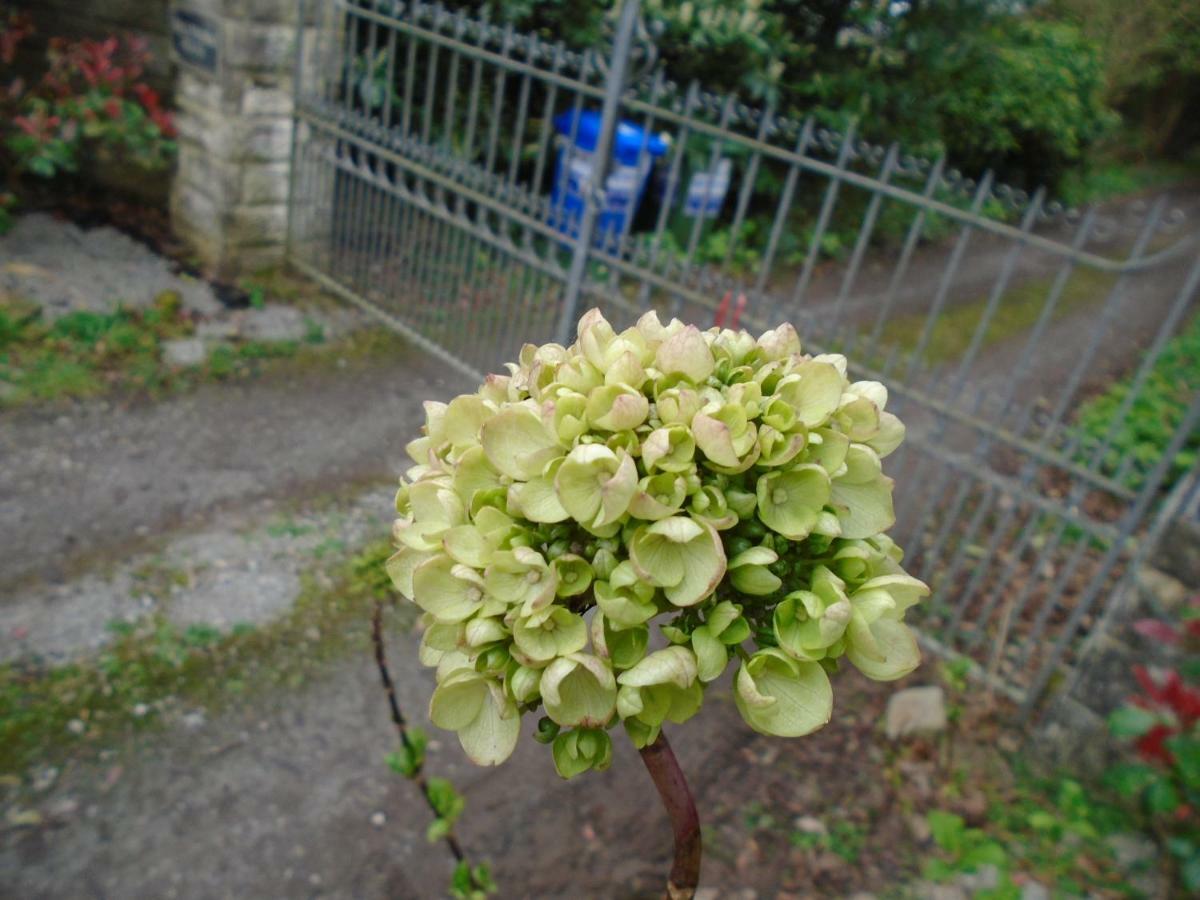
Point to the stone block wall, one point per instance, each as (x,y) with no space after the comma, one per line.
(229,196)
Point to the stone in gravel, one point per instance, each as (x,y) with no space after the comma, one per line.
(927,890)
(810,825)
(274,323)
(1034,890)
(217,329)
(1131,850)
(915,710)
(184,352)
(985,878)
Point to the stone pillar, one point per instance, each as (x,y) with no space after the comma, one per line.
(229,194)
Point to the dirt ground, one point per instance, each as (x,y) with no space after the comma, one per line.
(287,796)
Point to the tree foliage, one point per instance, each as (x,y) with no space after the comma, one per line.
(985,81)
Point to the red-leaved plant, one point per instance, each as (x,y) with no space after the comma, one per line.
(91,99)
(1163,721)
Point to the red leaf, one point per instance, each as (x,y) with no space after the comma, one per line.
(1157,630)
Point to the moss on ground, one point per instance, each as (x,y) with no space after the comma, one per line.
(156,668)
(86,354)
(1016,314)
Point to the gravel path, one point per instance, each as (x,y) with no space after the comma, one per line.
(96,482)
(245,566)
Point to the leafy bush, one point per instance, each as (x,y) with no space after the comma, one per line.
(991,85)
(90,100)
(1153,417)
(1164,723)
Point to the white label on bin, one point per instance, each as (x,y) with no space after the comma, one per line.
(706,192)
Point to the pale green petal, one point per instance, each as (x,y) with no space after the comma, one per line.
(463,418)
(756,581)
(537,499)
(467,545)
(402,564)
(803,698)
(458,700)
(684,557)
(622,606)
(580,477)
(864,510)
(518,444)
(669,449)
(678,406)
(492,735)
(579,690)
(617,407)
(685,353)
(899,649)
(524,683)
(715,440)
(904,589)
(574,574)
(617,491)
(674,665)
(780,342)
(560,633)
(439,590)
(626,369)
(890,434)
(711,655)
(790,501)
(814,393)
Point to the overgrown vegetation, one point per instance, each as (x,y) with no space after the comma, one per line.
(154,668)
(1163,722)
(89,101)
(83,353)
(1154,414)
(1022,836)
(989,83)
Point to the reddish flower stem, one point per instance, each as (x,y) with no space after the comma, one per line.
(685,821)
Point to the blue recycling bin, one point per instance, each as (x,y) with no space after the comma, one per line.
(633,152)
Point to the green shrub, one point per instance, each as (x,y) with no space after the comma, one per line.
(1153,417)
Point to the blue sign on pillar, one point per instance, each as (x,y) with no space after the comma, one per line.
(196,40)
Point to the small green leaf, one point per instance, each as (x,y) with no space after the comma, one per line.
(1186,751)
(947,829)
(437,830)
(1161,797)
(1131,721)
(445,800)
(1130,779)
(409,759)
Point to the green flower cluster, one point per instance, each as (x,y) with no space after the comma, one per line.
(727,489)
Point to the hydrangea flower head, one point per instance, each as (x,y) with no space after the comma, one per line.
(599,533)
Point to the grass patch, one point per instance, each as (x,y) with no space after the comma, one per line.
(154,667)
(1016,314)
(1050,829)
(1114,178)
(85,354)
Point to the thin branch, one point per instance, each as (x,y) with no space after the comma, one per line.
(399,721)
(673,789)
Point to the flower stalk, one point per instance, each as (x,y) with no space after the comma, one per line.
(673,790)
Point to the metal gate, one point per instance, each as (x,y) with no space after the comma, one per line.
(431,186)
